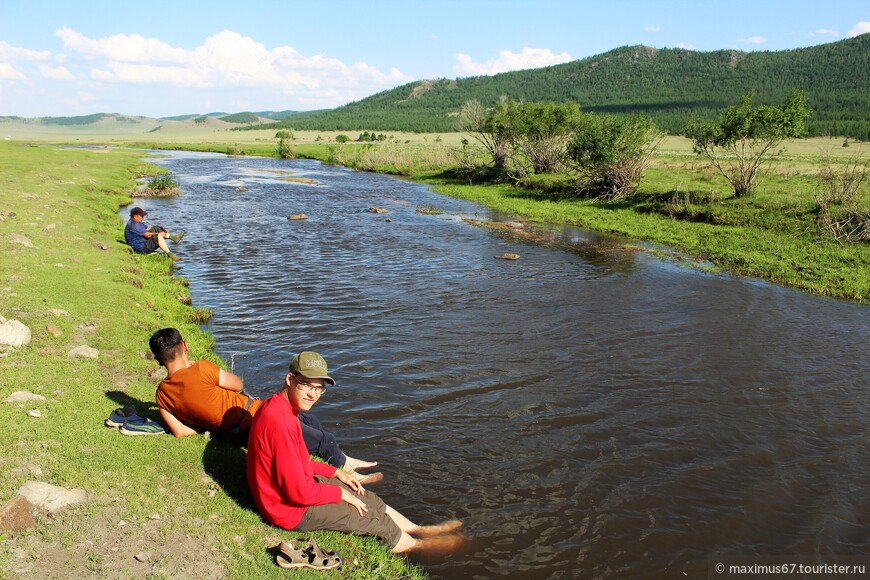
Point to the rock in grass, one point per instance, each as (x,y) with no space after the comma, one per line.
(51,497)
(16,516)
(23,396)
(84,351)
(19,239)
(14,333)
(508,256)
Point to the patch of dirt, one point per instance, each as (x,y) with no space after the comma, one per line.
(79,546)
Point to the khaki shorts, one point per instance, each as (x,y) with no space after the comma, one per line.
(344,517)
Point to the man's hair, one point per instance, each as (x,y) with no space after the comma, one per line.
(166,345)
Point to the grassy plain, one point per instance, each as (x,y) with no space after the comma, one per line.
(158,507)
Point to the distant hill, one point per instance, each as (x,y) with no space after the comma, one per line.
(669,85)
(90,119)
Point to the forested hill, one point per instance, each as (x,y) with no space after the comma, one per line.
(669,85)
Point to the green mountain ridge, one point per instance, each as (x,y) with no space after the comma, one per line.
(670,85)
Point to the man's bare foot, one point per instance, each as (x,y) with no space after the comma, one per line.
(351,464)
(369,478)
(438,546)
(437,529)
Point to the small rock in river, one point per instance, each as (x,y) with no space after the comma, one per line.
(508,256)
(297,216)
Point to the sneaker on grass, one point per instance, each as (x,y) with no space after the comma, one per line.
(146,427)
(121,415)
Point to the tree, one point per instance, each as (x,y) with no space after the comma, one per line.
(610,153)
(486,130)
(738,143)
(540,131)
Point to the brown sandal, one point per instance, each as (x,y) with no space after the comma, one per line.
(311,556)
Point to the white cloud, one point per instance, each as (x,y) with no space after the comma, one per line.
(123,47)
(12,53)
(652,28)
(753,40)
(686,46)
(8,72)
(507,61)
(860,28)
(58,73)
(827,32)
(226,60)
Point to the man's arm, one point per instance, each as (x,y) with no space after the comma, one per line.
(230,382)
(176,427)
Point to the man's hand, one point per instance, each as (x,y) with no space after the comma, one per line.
(350,481)
(353,500)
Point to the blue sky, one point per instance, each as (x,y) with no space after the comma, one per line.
(163,58)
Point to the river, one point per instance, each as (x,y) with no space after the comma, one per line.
(588,411)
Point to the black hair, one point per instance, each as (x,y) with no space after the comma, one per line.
(166,345)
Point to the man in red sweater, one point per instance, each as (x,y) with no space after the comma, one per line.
(296,493)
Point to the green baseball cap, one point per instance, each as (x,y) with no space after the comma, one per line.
(311,366)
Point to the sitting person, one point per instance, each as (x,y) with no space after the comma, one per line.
(294,492)
(202,396)
(146,239)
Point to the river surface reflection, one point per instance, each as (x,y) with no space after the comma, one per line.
(589,412)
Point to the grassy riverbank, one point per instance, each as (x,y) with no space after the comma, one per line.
(157,507)
(773,234)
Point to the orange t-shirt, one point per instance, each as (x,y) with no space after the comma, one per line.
(194,396)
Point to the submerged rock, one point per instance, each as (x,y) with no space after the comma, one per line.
(297,216)
(508,256)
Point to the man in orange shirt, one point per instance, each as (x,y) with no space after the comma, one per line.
(201,396)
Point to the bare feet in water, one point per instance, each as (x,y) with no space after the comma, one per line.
(351,464)
(369,478)
(438,547)
(437,529)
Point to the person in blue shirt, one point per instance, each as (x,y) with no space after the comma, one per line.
(146,239)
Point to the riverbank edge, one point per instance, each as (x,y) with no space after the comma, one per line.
(801,259)
(156,505)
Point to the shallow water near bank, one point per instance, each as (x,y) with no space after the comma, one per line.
(588,411)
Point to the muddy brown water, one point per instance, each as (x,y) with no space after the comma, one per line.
(589,412)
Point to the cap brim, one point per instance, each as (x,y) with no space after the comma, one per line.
(309,375)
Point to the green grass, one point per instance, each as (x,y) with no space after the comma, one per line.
(66,201)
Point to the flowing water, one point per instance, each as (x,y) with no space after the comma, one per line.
(588,411)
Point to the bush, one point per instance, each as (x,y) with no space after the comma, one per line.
(285,149)
(162,185)
(610,153)
(342,138)
(284,134)
(837,195)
